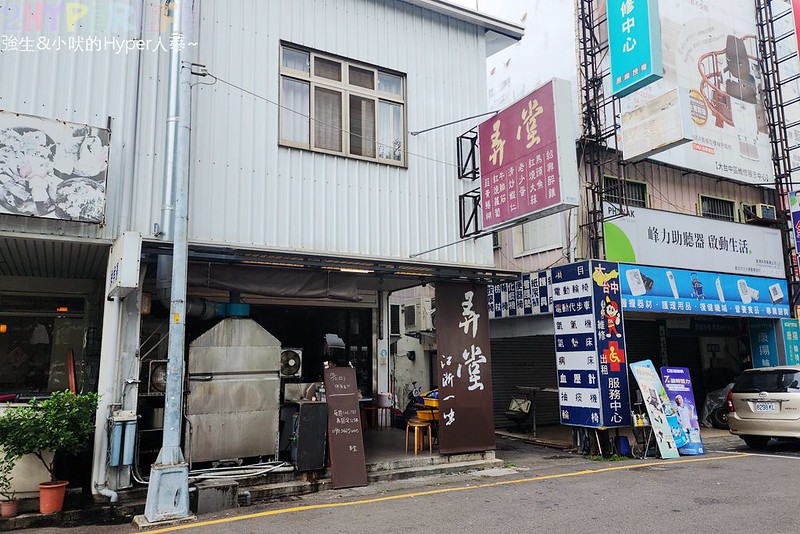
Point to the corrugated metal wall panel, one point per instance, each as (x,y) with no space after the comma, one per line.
(524,361)
(247,191)
(79,86)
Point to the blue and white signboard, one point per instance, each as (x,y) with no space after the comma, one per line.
(634,41)
(791,340)
(590,345)
(663,290)
(678,385)
(525,297)
(763,342)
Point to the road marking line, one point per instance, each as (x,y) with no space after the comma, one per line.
(761,455)
(443,490)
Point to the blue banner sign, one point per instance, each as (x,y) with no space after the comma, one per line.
(525,297)
(666,429)
(590,345)
(634,41)
(763,342)
(678,385)
(662,290)
(791,340)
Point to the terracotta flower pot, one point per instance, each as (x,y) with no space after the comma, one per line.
(51,496)
(9,508)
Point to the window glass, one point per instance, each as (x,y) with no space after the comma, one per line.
(294,111)
(542,234)
(768,381)
(362,78)
(717,208)
(390,83)
(362,126)
(328,119)
(325,68)
(627,193)
(296,59)
(390,131)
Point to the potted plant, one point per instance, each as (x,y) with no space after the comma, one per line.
(64,423)
(9,505)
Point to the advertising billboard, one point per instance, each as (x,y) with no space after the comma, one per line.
(634,42)
(665,290)
(710,52)
(590,345)
(678,385)
(527,158)
(525,297)
(790,329)
(666,429)
(52,169)
(654,237)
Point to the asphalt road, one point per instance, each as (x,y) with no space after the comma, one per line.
(729,490)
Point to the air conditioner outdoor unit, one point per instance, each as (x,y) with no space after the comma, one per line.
(759,212)
(418,315)
(291,362)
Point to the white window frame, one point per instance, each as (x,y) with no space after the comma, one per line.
(539,224)
(346,90)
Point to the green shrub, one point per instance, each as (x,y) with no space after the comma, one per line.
(64,423)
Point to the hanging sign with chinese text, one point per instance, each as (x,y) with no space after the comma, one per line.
(791,340)
(634,42)
(465,369)
(527,158)
(763,342)
(590,345)
(523,298)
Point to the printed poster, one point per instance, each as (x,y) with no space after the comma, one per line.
(659,409)
(678,384)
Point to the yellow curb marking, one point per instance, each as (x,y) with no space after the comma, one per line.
(439,491)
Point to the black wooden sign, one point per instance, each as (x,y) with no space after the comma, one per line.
(466,421)
(345,440)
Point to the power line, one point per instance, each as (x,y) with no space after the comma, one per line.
(321,123)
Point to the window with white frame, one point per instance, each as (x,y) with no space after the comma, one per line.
(334,105)
(718,208)
(625,192)
(540,235)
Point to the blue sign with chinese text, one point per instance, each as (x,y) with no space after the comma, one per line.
(590,345)
(634,40)
(663,290)
(791,340)
(763,343)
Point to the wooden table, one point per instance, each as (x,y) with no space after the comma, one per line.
(530,392)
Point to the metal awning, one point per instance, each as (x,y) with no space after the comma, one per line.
(377,273)
(53,257)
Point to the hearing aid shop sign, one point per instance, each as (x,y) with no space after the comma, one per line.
(653,237)
(663,290)
(590,345)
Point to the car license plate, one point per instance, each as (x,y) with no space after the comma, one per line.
(766,406)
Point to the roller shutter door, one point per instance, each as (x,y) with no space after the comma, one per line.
(524,361)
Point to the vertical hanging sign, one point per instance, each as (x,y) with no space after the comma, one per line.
(794,207)
(791,340)
(634,42)
(590,345)
(466,421)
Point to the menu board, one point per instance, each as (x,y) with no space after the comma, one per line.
(345,440)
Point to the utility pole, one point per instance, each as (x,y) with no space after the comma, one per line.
(168,492)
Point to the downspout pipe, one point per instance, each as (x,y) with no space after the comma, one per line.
(168,491)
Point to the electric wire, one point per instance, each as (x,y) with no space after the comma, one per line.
(337,128)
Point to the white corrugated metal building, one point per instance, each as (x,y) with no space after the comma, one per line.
(272,192)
